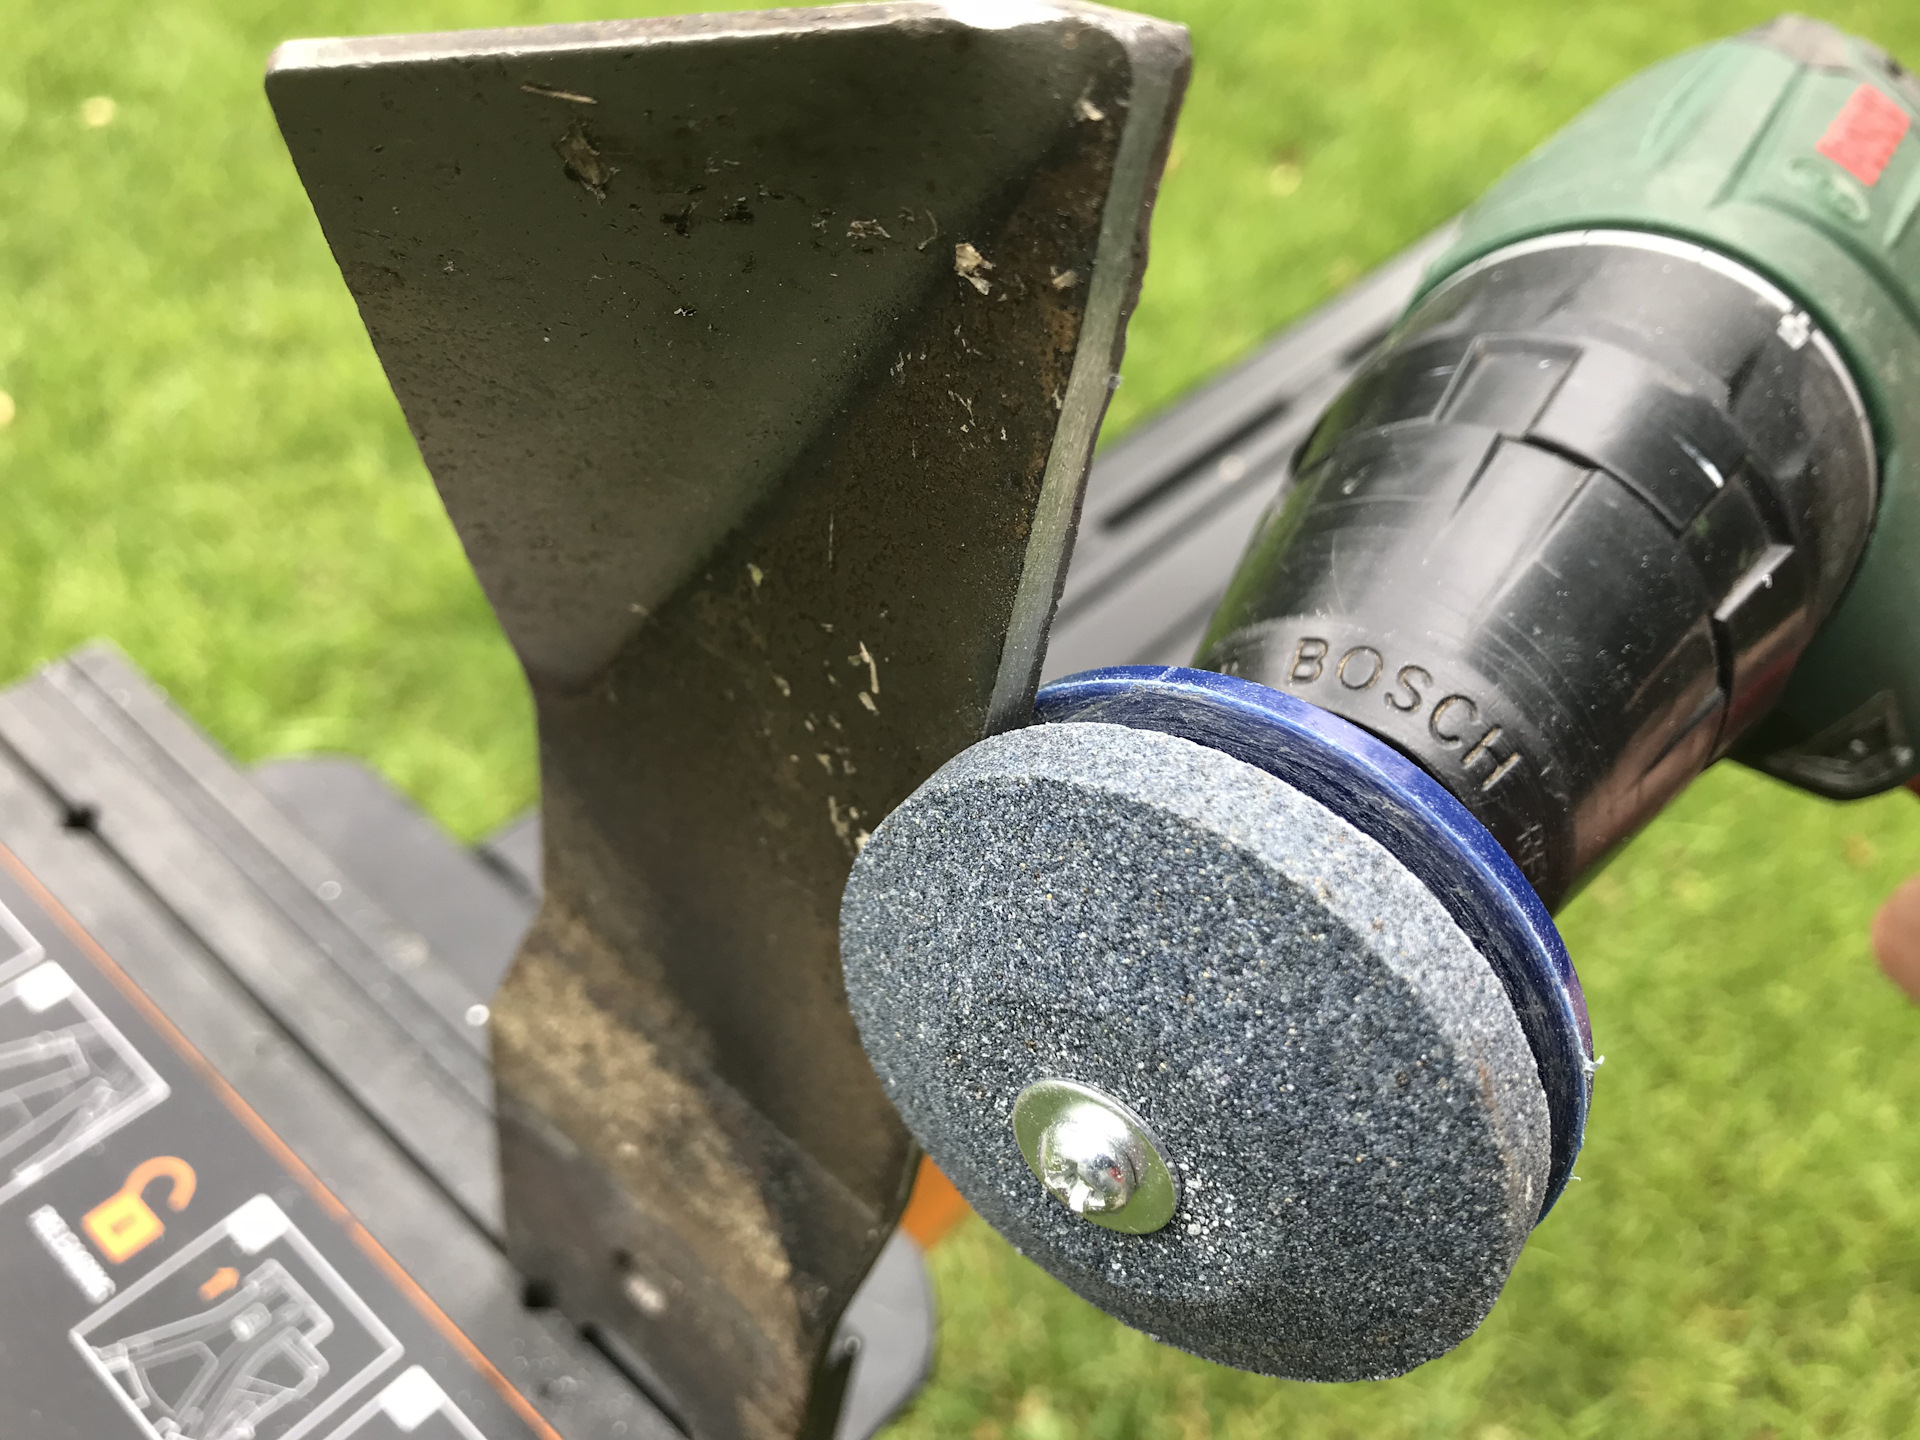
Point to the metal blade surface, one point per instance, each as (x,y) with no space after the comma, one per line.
(758,361)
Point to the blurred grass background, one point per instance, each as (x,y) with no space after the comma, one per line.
(199,459)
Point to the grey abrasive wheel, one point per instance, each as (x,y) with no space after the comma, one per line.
(1238,984)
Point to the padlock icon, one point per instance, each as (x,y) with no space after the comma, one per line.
(124,1224)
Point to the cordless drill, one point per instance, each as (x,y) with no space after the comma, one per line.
(1230,994)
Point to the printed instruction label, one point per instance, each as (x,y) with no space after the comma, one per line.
(415,1405)
(166,1272)
(68,1077)
(246,1331)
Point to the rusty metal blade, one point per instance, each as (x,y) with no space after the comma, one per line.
(758,360)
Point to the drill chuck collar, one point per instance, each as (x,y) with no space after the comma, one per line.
(1627,490)
(1563,540)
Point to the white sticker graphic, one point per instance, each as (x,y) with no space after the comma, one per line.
(246,1334)
(68,1077)
(18,948)
(70,1253)
(413,1405)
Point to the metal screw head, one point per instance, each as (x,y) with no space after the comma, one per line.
(1095,1156)
(1084,1161)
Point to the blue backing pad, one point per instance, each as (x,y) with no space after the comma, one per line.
(1386,796)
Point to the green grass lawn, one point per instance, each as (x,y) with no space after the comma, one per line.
(203,463)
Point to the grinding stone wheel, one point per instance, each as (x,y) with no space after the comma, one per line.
(1335,1073)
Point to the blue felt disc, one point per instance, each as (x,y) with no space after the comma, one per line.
(1390,799)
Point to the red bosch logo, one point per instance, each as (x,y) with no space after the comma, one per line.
(1864,135)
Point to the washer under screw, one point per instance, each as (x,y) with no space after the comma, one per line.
(1095,1156)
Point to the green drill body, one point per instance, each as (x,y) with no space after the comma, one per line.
(1794,150)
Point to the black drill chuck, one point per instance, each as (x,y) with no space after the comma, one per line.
(1562,541)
